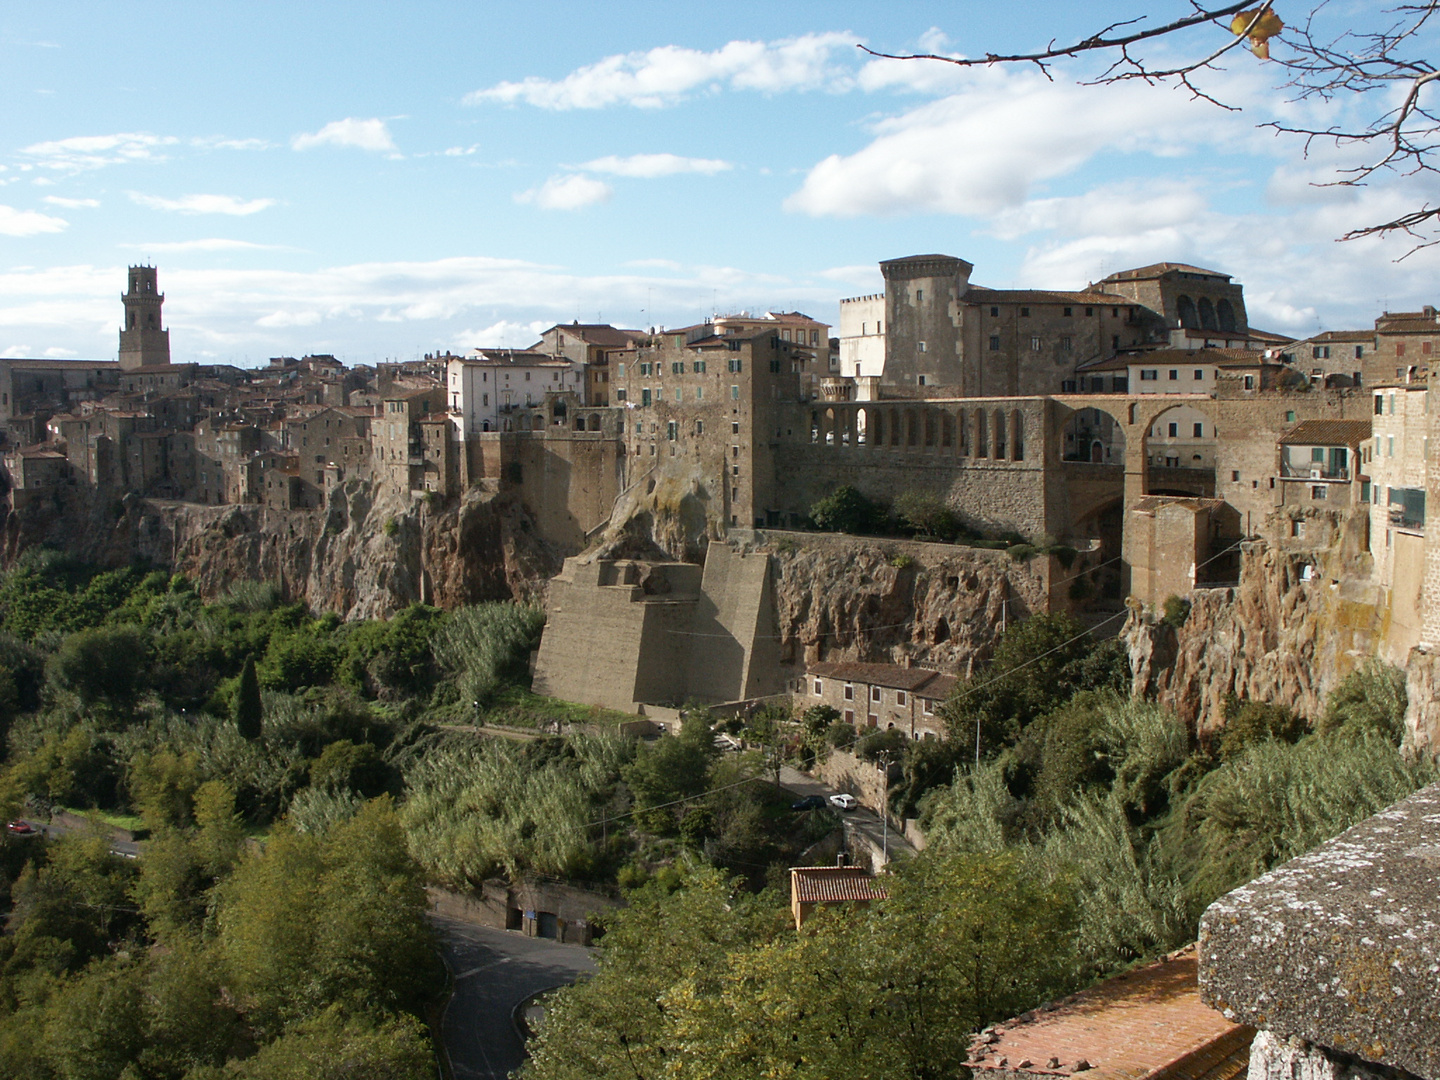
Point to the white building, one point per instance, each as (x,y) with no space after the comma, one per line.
(486,385)
(862,336)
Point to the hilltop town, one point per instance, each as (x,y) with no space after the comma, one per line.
(1137,437)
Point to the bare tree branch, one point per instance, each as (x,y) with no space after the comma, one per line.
(1405,137)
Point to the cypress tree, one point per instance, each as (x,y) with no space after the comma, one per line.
(247,711)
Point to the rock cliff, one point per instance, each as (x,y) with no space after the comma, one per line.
(359,555)
(933,605)
(1278,636)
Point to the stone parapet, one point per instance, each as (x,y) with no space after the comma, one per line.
(1340,947)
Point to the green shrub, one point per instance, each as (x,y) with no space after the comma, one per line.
(845,510)
(1370,699)
(901,561)
(1177,610)
(391,526)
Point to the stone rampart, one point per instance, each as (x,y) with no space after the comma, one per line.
(1336,954)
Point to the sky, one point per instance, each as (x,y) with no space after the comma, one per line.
(378,180)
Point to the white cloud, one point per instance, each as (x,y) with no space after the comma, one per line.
(28,222)
(57,353)
(204,204)
(649,166)
(71,204)
(981,151)
(567,193)
(209,244)
(505,334)
(83,152)
(369,134)
(460,151)
(668,74)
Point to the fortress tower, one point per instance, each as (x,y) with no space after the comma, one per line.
(143,342)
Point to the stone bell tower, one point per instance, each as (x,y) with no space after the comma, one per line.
(143,342)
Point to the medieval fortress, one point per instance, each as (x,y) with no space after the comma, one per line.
(1139,424)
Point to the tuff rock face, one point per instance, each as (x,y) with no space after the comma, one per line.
(931,605)
(1276,637)
(358,556)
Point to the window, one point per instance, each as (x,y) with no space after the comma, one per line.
(874,693)
(774,367)
(619,371)
(1034,342)
(620,394)
(699,393)
(677,367)
(734,451)
(818,688)
(1317,492)
(1399,350)
(1089,311)
(994,312)
(734,393)
(1148,374)
(919,296)
(1065,343)
(994,342)
(850,716)
(1024,312)
(1391,409)
(1321,352)
(849,692)
(1359,352)
(899,697)
(872,720)
(672,430)
(699,427)
(1199,431)
(920,345)
(734,427)
(1390,446)
(699,367)
(927,706)
(1174,374)
(1234,477)
(735,366)
(1199,374)
(1249,382)
(1174,430)
(1297,529)
(1069,312)
(1379,404)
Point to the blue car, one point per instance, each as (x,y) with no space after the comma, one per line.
(809,802)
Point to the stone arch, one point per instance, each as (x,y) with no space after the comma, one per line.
(594,422)
(912,425)
(1168,460)
(999,434)
(947,429)
(1207,314)
(1017,436)
(982,442)
(932,436)
(1093,436)
(831,436)
(874,426)
(814,426)
(1225,315)
(962,433)
(1185,309)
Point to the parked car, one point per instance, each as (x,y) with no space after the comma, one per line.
(809,802)
(20,828)
(843,801)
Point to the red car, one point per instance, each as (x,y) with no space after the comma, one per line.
(20,828)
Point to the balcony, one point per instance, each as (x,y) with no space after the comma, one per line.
(1315,471)
(1402,519)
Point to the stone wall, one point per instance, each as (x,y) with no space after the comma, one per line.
(1335,953)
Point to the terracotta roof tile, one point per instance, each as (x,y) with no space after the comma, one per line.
(834,884)
(1327,433)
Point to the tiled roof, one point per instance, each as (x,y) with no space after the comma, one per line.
(1330,336)
(1327,433)
(1155,270)
(939,688)
(834,884)
(978,294)
(891,675)
(1408,326)
(1147,1024)
(599,334)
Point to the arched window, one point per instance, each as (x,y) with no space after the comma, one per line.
(1185,308)
(1207,314)
(912,428)
(982,442)
(963,431)
(1225,315)
(999,435)
(1017,436)
(947,429)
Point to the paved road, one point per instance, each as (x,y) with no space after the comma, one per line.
(494,971)
(127,849)
(860,819)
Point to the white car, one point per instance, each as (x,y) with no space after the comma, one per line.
(843,802)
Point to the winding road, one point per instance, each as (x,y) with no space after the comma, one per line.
(494,971)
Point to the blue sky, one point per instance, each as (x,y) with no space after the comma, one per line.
(380,180)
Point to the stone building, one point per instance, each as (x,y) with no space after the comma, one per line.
(1336,358)
(878,696)
(589,344)
(1320,464)
(144,342)
(396,458)
(1399,474)
(488,387)
(1404,345)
